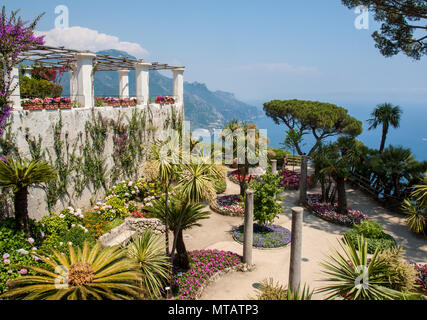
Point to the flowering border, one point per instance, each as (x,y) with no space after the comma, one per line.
(314,205)
(209,266)
(228,210)
(276,230)
(291,180)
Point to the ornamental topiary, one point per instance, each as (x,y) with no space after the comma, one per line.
(374,235)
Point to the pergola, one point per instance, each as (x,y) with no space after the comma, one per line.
(80,64)
(61,57)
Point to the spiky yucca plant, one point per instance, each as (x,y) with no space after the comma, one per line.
(88,274)
(20,175)
(345,272)
(149,253)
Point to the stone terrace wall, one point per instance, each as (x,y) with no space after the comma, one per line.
(41,123)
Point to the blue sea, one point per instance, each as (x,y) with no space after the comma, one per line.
(412,132)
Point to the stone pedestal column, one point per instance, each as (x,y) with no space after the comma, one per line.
(84,79)
(16,94)
(296,248)
(123,83)
(303,182)
(274,167)
(249,227)
(73,84)
(142,76)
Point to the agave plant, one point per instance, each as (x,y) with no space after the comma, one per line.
(352,276)
(20,175)
(148,252)
(88,274)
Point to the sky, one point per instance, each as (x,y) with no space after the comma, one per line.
(259,50)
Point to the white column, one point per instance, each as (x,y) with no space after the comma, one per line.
(27,72)
(178,84)
(84,79)
(16,94)
(142,76)
(73,84)
(123,83)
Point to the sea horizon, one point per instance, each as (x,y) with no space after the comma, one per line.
(411,134)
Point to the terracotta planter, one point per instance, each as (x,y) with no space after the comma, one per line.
(32,107)
(65,105)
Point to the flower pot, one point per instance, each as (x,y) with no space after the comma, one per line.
(65,105)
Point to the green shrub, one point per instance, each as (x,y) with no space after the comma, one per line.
(374,235)
(10,258)
(401,275)
(266,208)
(53,225)
(118,208)
(33,88)
(278,154)
(77,236)
(96,223)
(370,229)
(220,186)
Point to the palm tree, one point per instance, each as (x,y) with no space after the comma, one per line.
(20,175)
(386,115)
(148,252)
(239,134)
(89,273)
(196,183)
(393,165)
(337,160)
(183,215)
(164,158)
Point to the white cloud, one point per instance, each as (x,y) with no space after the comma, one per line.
(281,67)
(81,38)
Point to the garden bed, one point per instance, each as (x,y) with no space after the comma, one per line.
(326,211)
(229,205)
(234,177)
(422,277)
(265,237)
(291,179)
(205,266)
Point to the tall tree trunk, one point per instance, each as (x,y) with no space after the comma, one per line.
(21,210)
(182,256)
(342,198)
(177,229)
(384,137)
(167,219)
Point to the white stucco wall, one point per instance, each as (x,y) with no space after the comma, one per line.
(41,122)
